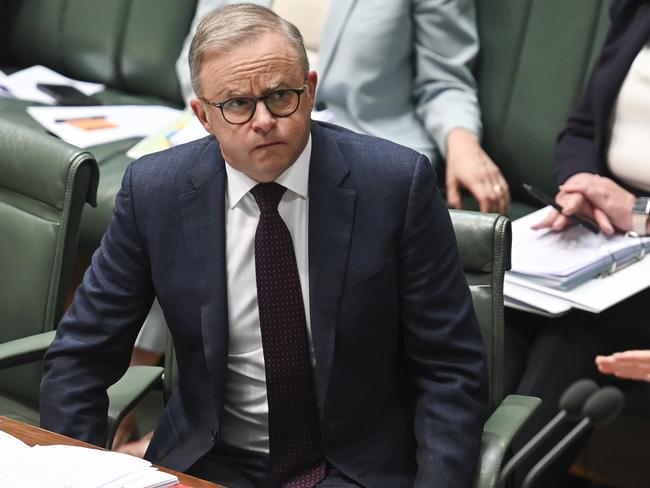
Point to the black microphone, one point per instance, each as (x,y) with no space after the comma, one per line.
(571,405)
(601,408)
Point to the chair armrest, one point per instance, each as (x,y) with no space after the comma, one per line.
(502,426)
(25,350)
(124,395)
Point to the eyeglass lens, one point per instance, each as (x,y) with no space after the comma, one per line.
(280,103)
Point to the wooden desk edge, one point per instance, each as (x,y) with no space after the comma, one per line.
(31,436)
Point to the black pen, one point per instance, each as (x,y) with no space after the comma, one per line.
(76,119)
(545,199)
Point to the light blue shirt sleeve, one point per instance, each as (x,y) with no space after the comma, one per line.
(445,46)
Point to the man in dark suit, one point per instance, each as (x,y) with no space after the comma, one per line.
(323,328)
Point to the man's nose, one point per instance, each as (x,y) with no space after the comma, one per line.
(263,120)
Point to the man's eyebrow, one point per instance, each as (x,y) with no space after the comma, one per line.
(235,93)
(271,87)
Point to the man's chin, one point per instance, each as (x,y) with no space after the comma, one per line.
(267,171)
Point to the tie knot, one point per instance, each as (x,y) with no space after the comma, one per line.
(268,196)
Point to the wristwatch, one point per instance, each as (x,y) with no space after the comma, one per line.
(640,214)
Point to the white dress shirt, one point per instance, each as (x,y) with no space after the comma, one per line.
(245,420)
(629,148)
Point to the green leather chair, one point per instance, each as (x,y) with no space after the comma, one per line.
(44,184)
(43,187)
(131,46)
(484,245)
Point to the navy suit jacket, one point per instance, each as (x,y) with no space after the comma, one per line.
(399,356)
(582,145)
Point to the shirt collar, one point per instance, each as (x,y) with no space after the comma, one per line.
(295,178)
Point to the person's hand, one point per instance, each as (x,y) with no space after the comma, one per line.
(136,448)
(595,197)
(612,203)
(570,203)
(468,166)
(632,365)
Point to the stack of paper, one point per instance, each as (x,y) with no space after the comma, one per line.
(90,126)
(75,467)
(22,84)
(567,259)
(554,272)
(83,126)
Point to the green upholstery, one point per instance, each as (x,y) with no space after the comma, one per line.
(534,59)
(129,45)
(484,244)
(44,184)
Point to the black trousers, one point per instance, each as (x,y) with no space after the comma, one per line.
(544,356)
(238,468)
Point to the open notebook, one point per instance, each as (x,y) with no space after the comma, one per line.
(555,272)
(567,259)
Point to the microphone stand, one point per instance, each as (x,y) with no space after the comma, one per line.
(551,455)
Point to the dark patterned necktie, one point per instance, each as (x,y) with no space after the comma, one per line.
(294,426)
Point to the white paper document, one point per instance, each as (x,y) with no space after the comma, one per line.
(184,128)
(543,254)
(4,90)
(22,84)
(569,258)
(12,450)
(62,466)
(90,126)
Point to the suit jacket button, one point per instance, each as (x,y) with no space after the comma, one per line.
(213,435)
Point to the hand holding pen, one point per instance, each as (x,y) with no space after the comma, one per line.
(609,203)
(552,220)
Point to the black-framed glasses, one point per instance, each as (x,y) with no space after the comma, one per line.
(281,103)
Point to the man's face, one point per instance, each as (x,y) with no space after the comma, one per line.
(266,145)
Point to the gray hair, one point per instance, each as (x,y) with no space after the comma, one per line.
(232,25)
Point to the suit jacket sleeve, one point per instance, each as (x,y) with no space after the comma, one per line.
(95,338)
(442,340)
(576,149)
(445,46)
(579,145)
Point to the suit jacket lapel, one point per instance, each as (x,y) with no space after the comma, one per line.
(331,215)
(337,18)
(203,218)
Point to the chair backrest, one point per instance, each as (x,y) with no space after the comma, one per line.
(131,45)
(44,184)
(534,60)
(484,243)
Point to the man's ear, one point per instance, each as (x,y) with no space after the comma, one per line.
(198,107)
(312,82)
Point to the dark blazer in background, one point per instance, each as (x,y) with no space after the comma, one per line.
(388,299)
(582,146)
